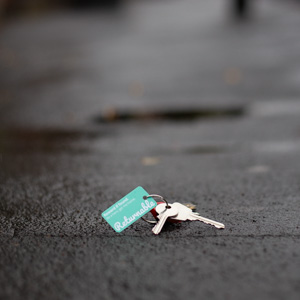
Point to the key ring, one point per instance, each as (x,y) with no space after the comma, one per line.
(161,198)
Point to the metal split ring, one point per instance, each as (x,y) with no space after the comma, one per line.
(157,196)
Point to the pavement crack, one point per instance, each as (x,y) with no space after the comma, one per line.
(179,115)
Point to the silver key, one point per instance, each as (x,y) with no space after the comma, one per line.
(165,213)
(186,214)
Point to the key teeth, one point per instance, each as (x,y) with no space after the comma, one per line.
(207,221)
(221,226)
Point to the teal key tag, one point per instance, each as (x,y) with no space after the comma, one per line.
(129,209)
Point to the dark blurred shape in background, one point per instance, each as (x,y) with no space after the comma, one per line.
(240,8)
(94,3)
(15,7)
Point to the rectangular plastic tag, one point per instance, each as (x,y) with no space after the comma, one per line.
(129,209)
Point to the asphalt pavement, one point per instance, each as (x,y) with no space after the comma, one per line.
(174,96)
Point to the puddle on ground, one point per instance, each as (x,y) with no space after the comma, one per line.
(114,115)
(196,150)
(258,169)
(275,108)
(277,147)
(44,141)
(205,149)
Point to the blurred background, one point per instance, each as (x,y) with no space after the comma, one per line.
(72,62)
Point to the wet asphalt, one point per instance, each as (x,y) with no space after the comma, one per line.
(176,97)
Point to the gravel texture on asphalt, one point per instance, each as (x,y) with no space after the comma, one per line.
(62,165)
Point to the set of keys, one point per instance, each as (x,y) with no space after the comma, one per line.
(176,213)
